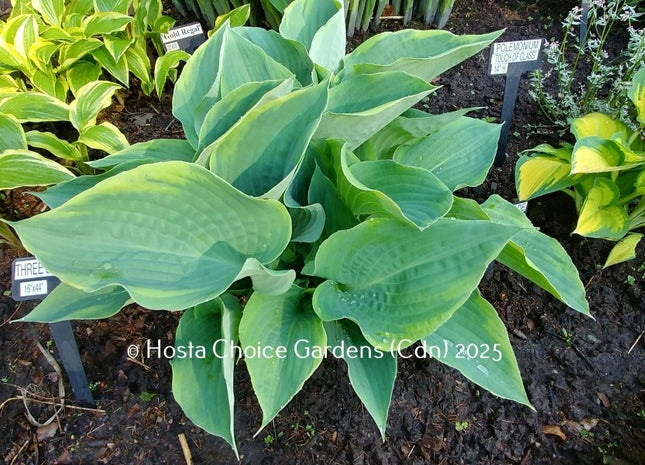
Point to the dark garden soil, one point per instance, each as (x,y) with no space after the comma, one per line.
(585,377)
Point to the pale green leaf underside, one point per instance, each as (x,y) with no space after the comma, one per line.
(170,233)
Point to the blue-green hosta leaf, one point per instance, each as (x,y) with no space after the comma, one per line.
(119,69)
(264,148)
(320,27)
(163,65)
(400,284)
(637,94)
(599,125)
(21,168)
(289,53)
(536,256)
(171,233)
(153,151)
(371,373)
(202,384)
(601,215)
(411,125)
(57,147)
(224,113)
(34,107)
(273,322)
(197,80)
(426,54)
(459,154)
(475,342)
(104,136)
(51,10)
(540,175)
(385,187)
(13,136)
(624,250)
(362,104)
(92,98)
(82,73)
(68,303)
(105,23)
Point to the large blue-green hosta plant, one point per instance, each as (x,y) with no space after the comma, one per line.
(309,209)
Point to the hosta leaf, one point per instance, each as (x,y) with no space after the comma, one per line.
(163,65)
(268,160)
(274,322)
(224,113)
(320,27)
(35,107)
(83,7)
(92,98)
(536,256)
(422,53)
(170,233)
(41,54)
(45,82)
(51,10)
(22,31)
(405,294)
(70,54)
(105,23)
(56,34)
(202,384)
(599,125)
(595,155)
(236,17)
(371,373)
(139,65)
(459,154)
(119,69)
(13,136)
(82,73)
(289,53)
(117,46)
(601,216)
(624,250)
(476,330)
(540,175)
(57,147)
(149,152)
(637,94)
(21,168)
(104,136)
(68,303)
(384,187)
(106,6)
(363,104)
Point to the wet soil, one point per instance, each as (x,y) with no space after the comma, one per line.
(585,377)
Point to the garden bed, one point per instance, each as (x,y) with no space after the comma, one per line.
(585,378)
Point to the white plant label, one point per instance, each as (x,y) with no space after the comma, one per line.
(30,279)
(505,53)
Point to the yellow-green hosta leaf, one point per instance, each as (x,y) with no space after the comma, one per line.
(10,59)
(41,53)
(541,174)
(21,168)
(171,233)
(139,65)
(119,69)
(56,34)
(57,147)
(601,216)
(51,10)
(163,65)
(362,104)
(624,250)
(35,107)
(599,125)
(637,94)
(70,54)
(22,32)
(9,84)
(92,98)
(104,136)
(426,54)
(371,373)
(13,136)
(117,45)
(459,153)
(45,82)
(83,7)
(106,6)
(202,384)
(475,342)
(400,284)
(288,321)
(595,155)
(68,303)
(236,17)
(105,23)
(82,73)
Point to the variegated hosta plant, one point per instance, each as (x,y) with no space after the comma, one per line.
(604,172)
(309,213)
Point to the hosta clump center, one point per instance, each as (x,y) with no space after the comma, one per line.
(309,190)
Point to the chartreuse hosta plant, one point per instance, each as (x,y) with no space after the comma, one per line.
(309,213)
(604,172)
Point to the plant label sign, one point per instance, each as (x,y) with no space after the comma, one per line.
(187,38)
(512,59)
(30,280)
